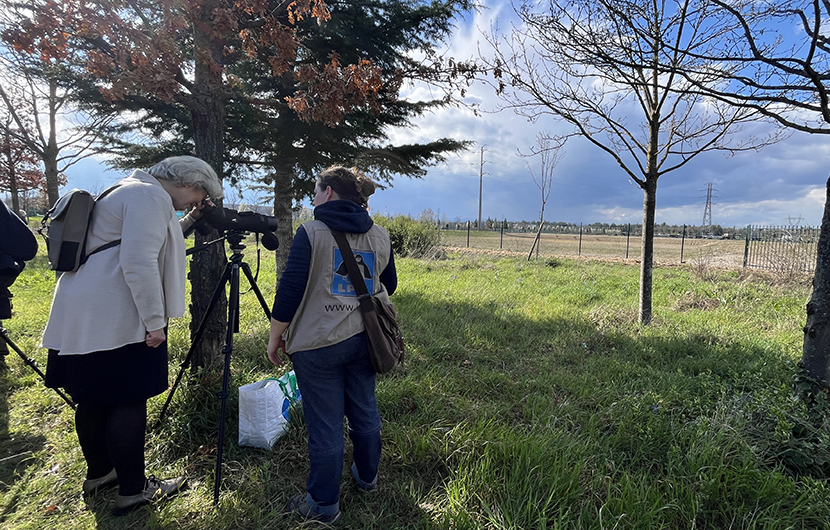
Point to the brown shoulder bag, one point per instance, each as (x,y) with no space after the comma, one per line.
(386,346)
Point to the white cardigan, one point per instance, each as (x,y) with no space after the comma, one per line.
(122,292)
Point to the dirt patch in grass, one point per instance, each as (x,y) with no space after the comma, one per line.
(691,300)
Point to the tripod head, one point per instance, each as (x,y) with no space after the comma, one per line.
(234,239)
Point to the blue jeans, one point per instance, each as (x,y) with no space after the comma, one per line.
(338,381)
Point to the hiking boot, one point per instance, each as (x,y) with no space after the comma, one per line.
(94,485)
(299,505)
(154,490)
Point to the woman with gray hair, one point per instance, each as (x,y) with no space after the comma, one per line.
(106,330)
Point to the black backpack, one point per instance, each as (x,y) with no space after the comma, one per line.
(65,227)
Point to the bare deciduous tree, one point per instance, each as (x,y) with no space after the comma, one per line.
(550,152)
(43,118)
(610,69)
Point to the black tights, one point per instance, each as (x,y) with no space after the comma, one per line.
(113,436)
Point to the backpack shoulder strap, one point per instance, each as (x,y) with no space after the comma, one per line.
(105,246)
(107,191)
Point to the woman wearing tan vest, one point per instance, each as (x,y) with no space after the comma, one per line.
(316,322)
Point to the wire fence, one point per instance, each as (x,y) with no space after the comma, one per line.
(784,249)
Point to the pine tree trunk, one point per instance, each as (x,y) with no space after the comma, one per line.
(207,108)
(647,256)
(815,358)
(283,197)
(206,267)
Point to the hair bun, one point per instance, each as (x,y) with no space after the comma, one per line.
(365,186)
(349,183)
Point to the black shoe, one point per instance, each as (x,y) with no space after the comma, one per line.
(94,485)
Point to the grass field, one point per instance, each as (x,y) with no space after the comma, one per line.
(530,399)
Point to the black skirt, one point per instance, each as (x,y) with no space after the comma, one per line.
(134,372)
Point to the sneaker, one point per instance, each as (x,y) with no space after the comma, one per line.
(94,485)
(298,504)
(362,485)
(154,490)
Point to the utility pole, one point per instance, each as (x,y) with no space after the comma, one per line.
(706,228)
(480,185)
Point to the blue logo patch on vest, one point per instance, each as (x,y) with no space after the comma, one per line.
(341,285)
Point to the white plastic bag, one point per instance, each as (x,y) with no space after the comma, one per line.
(264,408)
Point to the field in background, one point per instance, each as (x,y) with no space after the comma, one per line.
(726,253)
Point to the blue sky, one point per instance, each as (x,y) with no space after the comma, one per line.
(782,182)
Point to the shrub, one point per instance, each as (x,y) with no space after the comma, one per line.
(410,238)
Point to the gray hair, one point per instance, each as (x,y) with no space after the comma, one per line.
(181,170)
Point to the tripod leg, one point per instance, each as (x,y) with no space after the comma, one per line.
(220,288)
(31,363)
(233,314)
(247,270)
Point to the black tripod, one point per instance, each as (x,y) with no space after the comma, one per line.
(231,273)
(4,334)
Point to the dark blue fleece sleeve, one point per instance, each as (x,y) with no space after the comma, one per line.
(18,241)
(294,279)
(389,276)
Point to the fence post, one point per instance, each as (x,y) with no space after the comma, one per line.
(682,243)
(746,246)
(501,237)
(468,234)
(580,239)
(627,240)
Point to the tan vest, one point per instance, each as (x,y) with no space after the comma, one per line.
(328,312)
